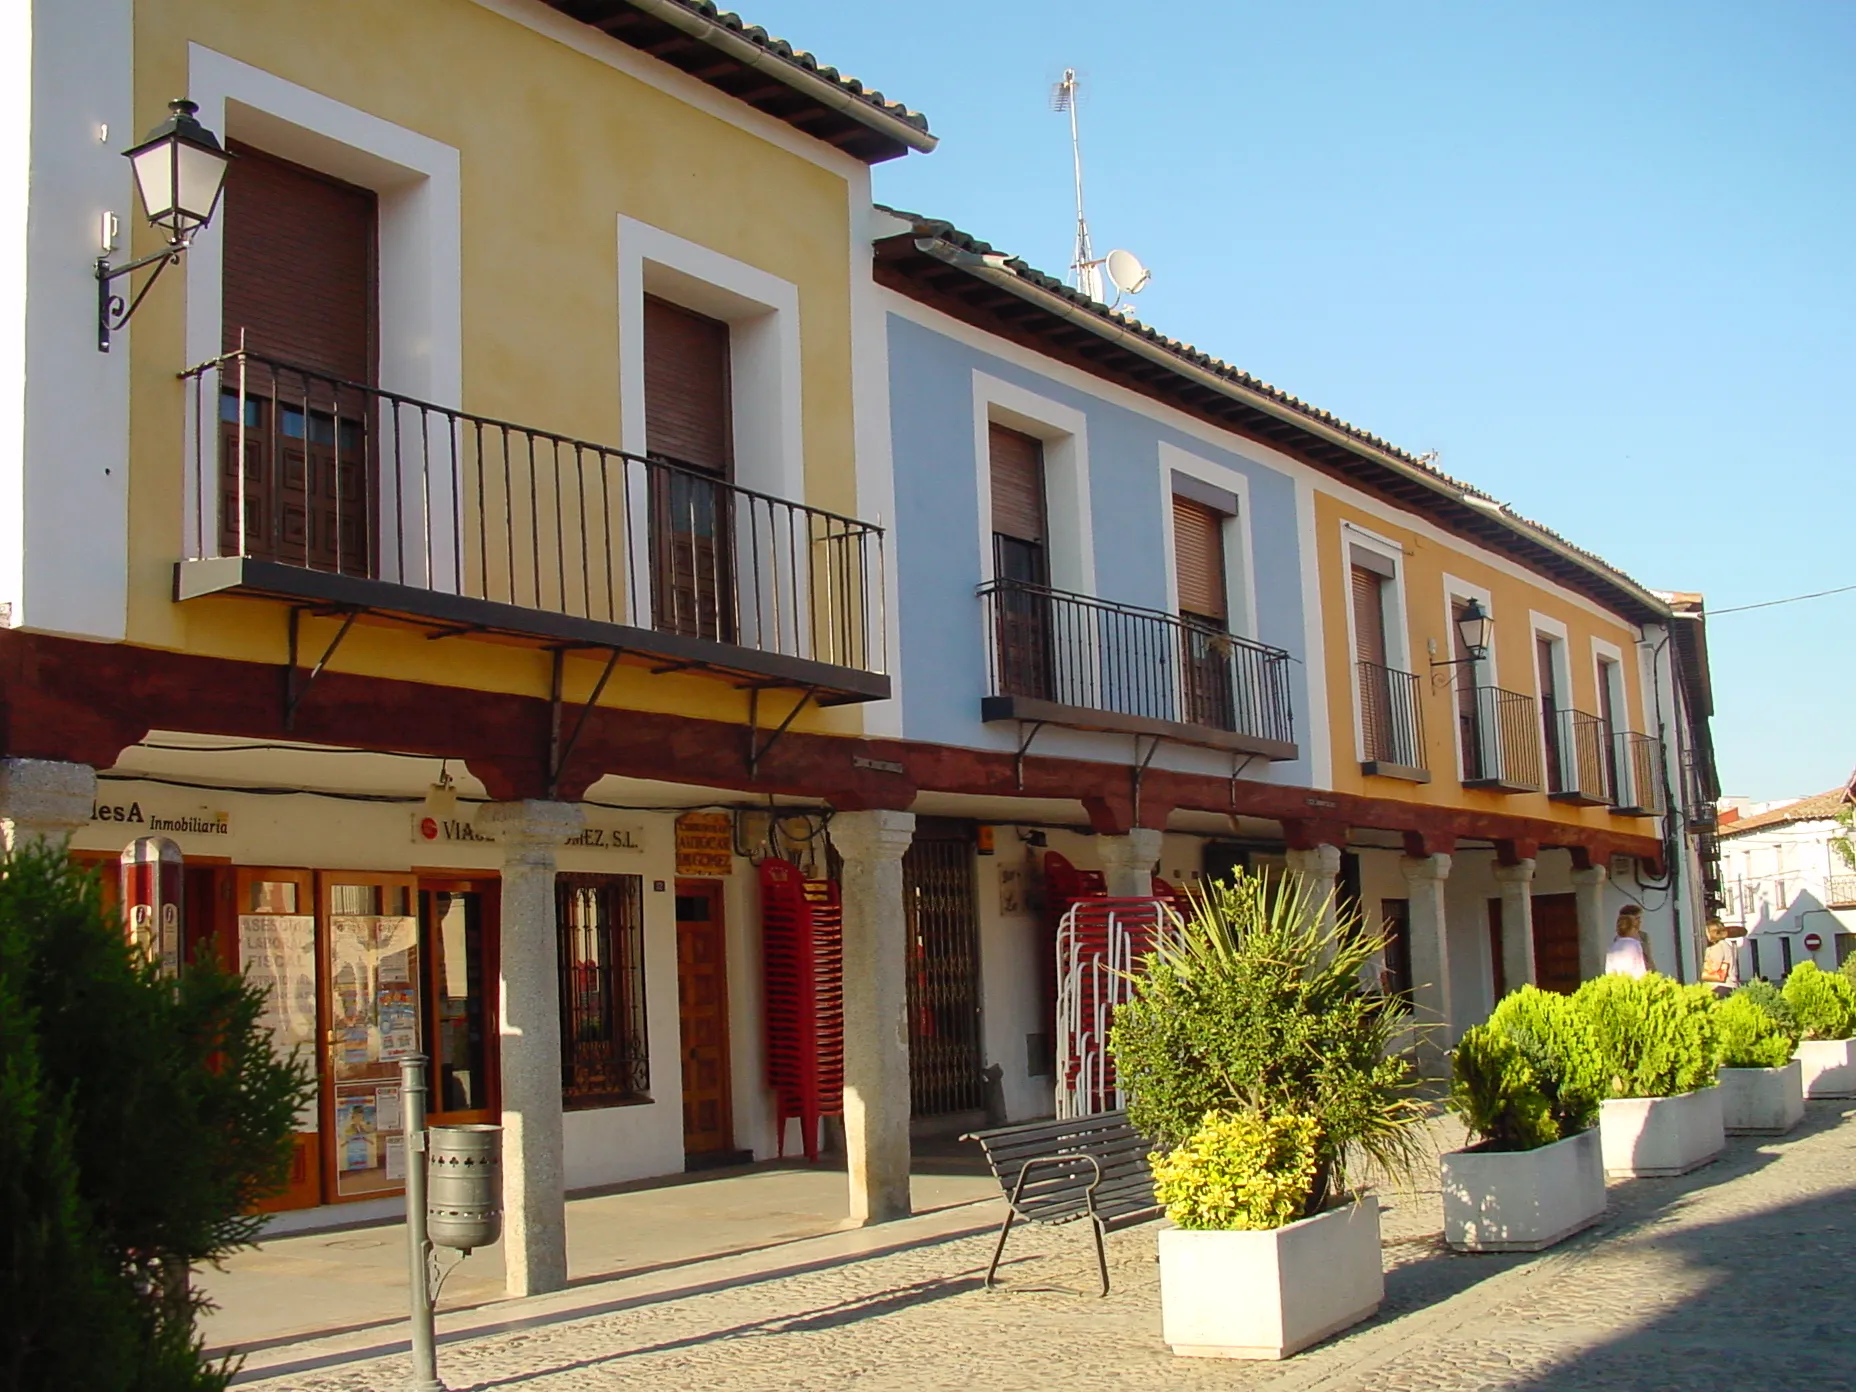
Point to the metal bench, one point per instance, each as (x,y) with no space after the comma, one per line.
(1092,1167)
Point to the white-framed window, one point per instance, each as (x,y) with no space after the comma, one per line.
(1196,489)
(1386,699)
(1474,737)
(1553,692)
(1058,434)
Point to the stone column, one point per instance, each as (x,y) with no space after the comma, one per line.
(1319,867)
(1128,862)
(1594,939)
(876,1038)
(529,1026)
(44,800)
(1425,877)
(1516,883)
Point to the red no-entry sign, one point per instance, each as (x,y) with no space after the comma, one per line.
(1812,942)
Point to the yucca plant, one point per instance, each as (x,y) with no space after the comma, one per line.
(1257,1008)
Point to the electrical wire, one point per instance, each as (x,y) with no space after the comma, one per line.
(1773,603)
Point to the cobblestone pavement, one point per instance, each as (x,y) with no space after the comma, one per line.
(1741,1275)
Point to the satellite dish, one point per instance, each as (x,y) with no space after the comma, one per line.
(1126,270)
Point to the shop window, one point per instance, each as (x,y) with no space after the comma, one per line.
(600,925)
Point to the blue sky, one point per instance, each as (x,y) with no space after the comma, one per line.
(1602,257)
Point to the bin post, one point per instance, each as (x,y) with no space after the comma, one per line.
(418,1243)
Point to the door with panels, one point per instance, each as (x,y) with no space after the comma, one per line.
(1023,640)
(299,296)
(689,433)
(1207,696)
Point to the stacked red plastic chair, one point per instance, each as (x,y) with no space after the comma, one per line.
(802,949)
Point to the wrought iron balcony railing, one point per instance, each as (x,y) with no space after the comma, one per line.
(1391,722)
(1637,790)
(1584,769)
(1071,659)
(1500,740)
(440,516)
(1840,892)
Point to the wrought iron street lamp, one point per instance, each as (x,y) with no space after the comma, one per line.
(180,170)
(1472,629)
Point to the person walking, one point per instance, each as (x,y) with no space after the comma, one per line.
(1629,954)
(1720,967)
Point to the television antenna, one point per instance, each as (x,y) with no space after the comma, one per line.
(1122,268)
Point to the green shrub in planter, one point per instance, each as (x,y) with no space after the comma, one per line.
(1823,1002)
(1239,1170)
(1771,999)
(1258,1008)
(1531,1075)
(1749,1036)
(1651,1036)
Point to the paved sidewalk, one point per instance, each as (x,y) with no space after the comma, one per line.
(1738,1276)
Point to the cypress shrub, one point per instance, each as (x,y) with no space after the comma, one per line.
(1652,1037)
(1750,1037)
(1823,1002)
(1529,1076)
(1771,999)
(140,1119)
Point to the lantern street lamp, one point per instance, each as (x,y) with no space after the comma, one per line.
(1472,629)
(179,172)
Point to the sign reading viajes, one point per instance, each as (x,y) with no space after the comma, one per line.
(459,829)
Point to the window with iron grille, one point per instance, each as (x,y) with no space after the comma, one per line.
(599,921)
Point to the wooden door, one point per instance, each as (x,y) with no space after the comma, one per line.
(1022,610)
(299,290)
(1205,656)
(1550,701)
(702,1018)
(371,989)
(278,950)
(1556,942)
(458,951)
(688,426)
(1369,641)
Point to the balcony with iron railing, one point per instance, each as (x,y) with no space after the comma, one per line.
(1579,762)
(1637,775)
(367,502)
(1391,723)
(1840,892)
(1092,664)
(1500,740)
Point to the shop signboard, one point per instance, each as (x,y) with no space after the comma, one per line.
(705,845)
(618,838)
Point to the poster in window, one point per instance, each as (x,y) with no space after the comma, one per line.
(277,953)
(356,1135)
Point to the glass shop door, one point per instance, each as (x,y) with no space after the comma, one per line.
(371,989)
(457,920)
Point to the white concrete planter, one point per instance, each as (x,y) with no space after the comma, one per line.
(1829,1067)
(1762,1101)
(1522,1200)
(1270,1294)
(1651,1136)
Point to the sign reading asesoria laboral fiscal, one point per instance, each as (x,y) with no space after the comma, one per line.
(705,844)
(599,835)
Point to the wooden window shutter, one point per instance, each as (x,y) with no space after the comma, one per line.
(1369,615)
(1198,555)
(299,266)
(1017,484)
(687,408)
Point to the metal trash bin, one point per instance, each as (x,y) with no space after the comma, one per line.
(464,1194)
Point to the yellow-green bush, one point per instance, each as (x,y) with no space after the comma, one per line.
(1240,1170)
(1824,1002)
(1750,1037)
(1653,1037)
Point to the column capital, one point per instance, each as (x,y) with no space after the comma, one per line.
(45,798)
(1419,868)
(1138,845)
(1590,875)
(877,835)
(1519,873)
(531,831)
(1321,860)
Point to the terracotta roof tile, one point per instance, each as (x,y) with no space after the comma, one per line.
(1816,808)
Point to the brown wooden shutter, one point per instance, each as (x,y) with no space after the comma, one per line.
(299,266)
(1017,484)
(1369,615)
(687,410)
(1198,555)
